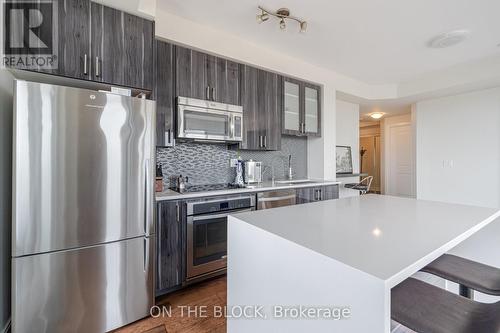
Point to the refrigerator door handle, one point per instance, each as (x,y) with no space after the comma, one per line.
(147,197)
(146,254)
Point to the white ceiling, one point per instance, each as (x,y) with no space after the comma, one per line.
(374,41)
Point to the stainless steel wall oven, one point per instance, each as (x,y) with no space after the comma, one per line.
(207,233)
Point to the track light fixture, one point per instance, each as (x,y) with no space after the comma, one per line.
(282,15)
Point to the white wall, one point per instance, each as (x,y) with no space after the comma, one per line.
(5,192)
(458,161)
(347,134)
(458,148)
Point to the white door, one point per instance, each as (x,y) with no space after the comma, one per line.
(400,162)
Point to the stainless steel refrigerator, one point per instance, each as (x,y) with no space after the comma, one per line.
(83,230)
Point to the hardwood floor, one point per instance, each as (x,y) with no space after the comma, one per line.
(203,297)
(206,295)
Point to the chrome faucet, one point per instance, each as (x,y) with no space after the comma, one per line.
(282,158)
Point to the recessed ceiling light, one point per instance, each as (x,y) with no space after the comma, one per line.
(377,232)
(376,115)
(448,39)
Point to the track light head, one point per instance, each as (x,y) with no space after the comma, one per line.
(282,24)
(303,26)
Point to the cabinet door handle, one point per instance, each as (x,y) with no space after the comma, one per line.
(265,141)
(97,71)
(167,136)
(213,94)
(178,213)
(207,92)
(260,141)
(85,60)
(320,194)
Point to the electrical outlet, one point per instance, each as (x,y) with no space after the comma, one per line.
(448,164)
(233,162)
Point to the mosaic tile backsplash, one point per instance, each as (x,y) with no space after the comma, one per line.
(209,163)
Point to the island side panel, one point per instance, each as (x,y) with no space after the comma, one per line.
(266,270)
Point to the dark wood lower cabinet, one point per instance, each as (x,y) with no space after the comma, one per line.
(330,192)
(317,193)
(170,268)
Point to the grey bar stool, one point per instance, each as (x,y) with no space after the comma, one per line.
(467,273)
(425,308)
(363,186)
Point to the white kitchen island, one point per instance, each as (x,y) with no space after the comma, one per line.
(305,266)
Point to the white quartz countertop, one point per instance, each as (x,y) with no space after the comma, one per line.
(387,237)
(264,186)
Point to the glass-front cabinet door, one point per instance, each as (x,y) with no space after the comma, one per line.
(291,114)
(312,112)
(301,108)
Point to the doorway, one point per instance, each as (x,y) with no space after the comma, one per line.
(369,147)
(370,153)
(399,157)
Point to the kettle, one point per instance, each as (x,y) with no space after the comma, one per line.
(253,172)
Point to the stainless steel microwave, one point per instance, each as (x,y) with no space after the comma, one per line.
(209,121)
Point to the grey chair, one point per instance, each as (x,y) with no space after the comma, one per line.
(425,308)
(469,275)
(363,186)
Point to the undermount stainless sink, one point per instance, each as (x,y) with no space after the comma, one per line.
(296,181)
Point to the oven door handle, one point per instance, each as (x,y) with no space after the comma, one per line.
(216,216)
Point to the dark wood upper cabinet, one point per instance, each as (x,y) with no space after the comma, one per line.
(227,82)
(72,53)
(261,100)
(301,115)
(191,73)
(204,76)
(103,44)
(163,93)
(252,137)
(170,268)
(138,39)
(122,48)
(74,39)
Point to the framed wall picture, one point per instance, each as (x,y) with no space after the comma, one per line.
(344,159)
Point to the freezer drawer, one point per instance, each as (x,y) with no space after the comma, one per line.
(94,289)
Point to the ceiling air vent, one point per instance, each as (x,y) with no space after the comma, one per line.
(448,39)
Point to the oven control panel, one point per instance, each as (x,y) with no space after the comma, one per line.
(214,206)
